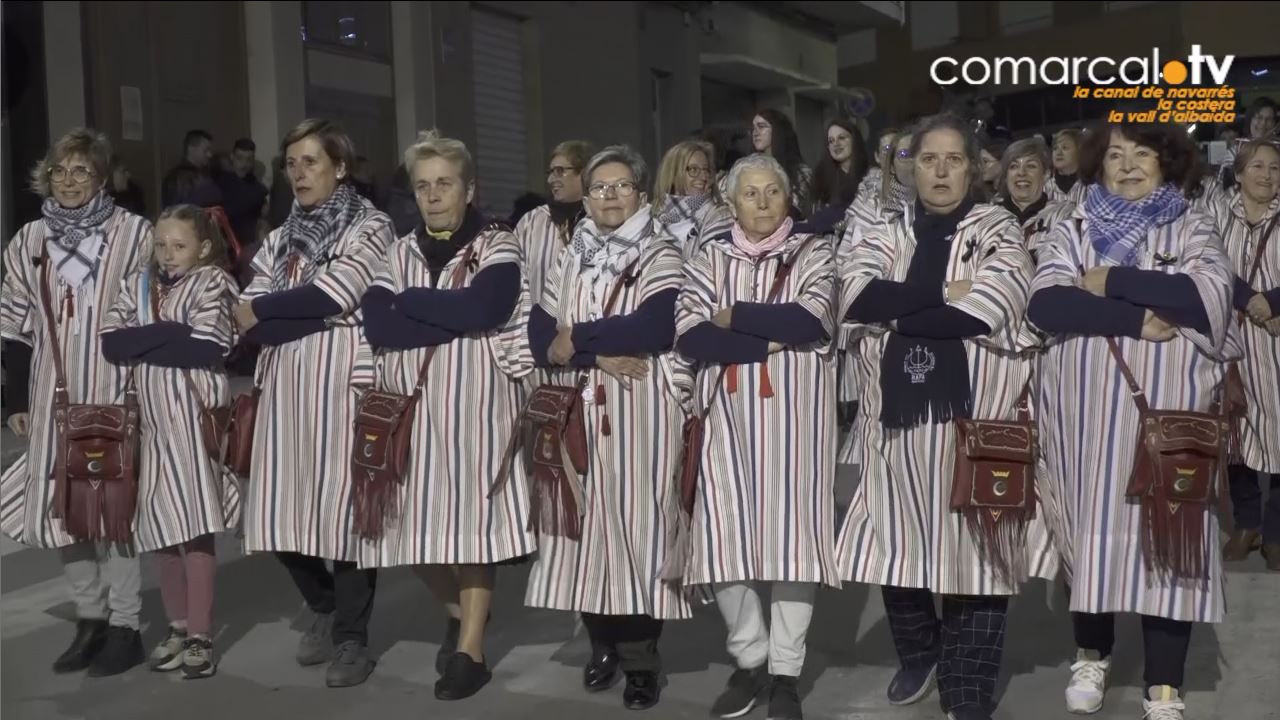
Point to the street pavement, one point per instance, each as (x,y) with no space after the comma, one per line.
(537,656)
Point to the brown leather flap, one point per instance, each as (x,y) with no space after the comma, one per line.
(89,421)
(550,404)
(997,440)
(383,410)
(1172,431)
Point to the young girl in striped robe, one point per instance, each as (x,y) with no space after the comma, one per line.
(172,325)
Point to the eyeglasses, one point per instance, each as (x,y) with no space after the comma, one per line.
(559,171)
(622,189)
(886,148)
(903,154)
(58,174)
(694,171)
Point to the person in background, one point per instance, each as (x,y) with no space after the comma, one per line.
(1021,190)
(84,247)
(1066,183)
(524,205)
(243,198)
(773,134)
(191,180)
(545,232)
(872,181)
(397,201)
(1259,122)
(280,200)
(363,181)
(1251,217)
(685,196)
(840,172)
(989,176)
(122,188)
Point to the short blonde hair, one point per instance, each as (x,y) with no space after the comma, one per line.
(92,145)
(577,152)
(673,165)
(431,145)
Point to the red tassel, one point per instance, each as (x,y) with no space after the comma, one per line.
(600,394)
(1173,537)
(605,428)
(731,379)
(120,501)
(552,509)
(766,387)
(1002,539)
(375,502)
(71,305)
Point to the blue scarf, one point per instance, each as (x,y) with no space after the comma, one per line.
(1118,228)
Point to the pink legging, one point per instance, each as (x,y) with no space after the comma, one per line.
(186,583)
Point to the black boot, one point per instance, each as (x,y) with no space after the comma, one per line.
(121,651)
(601,673)
(90,635)
(643,691)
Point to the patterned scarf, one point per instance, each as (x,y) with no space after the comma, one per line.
(765,246)
(77,236)
(897,196)
(682,207)
(1118,228)
(598,260)
(312,233)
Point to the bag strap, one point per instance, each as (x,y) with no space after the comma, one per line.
(455,281)
(1023,404)
(1262,247)
(779,280)
(51,322)
(627,277)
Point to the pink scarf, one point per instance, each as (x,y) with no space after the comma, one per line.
(766,245)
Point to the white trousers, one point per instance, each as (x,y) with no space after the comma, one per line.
(105,580)
(782,643)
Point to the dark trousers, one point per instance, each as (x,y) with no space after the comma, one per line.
(1247,505)
(634,637)
(967,643)
(347,592)
(1164,641)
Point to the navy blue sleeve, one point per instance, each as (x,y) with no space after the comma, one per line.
(712,344)
(942,323)
(304,302)
(1273,299)
(17,375)
(386,327)
(885,300)
(650,330)
(542,332)
(1171,296)
(1241,294)
(281,332)
(484,305)
(185,352)
(583,360)
(1076,311)
(127,344)
(786,323)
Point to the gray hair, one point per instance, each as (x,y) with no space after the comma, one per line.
(1026,147)
(947,121)
(758,161)
(624,155)
(430,144)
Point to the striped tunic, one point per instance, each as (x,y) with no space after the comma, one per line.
(900,529)
(1087,432)
(464,419)
(1037,228)
(182,494)
(298,498)
(1072,196)
(711,219)
(765,502)
(1260,368)
(542,244)
(26,488)
(631,501)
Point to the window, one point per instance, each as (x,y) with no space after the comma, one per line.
(502,144)
(361,28)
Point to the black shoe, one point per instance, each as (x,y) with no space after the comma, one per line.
(601,673)
(910,685)
(741,692)
(642,691)
(449,645)
(121,651)
(462,678)
(784,699)
(90,634)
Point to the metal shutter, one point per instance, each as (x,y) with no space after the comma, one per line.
(501,144)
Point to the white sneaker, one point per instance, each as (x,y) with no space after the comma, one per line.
(1165,704)
(168,654)
(1088,682)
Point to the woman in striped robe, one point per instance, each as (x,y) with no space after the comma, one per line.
(1022,191)
(544,232)
(686,201)
(173,325)
(885,201)
(939,292)
(1066,185)
(633,422)
(1243,220)
(1136,265)
(86,248)
(455,288)
(764,508)
(303,304)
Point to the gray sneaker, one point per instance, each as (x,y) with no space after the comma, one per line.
(316,645)
(351,666)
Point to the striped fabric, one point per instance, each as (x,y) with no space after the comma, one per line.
(1087,431)
(631,501)
(464,419)
(710,220)
(26,494)
(1037,228)
(1260,368)
(900,530)
(542,244)
(1072,196)
(298,498)
(182,494)
(765,496)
